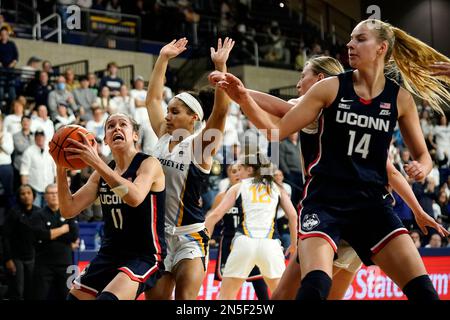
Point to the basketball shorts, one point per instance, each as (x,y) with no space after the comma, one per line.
(246,253)
(367,230)
(224,252)
(104,268)
(186,246)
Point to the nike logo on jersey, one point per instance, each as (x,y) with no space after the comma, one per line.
(386,195)
(104,184)
(345,101)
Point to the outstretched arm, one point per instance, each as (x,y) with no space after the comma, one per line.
(210,142)
(216,214)
(404,190)
(156,84)
(305,111)
(271,104)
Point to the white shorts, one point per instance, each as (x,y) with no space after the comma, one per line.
(247,252)
(186,246)
(347,258)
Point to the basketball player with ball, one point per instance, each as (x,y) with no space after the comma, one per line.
(131,189)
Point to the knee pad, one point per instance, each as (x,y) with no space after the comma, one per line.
(105,295)
(420,289)
(315,285)
(71,297)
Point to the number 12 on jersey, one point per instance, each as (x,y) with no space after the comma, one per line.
(362,147)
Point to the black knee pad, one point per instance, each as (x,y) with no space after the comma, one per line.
(315,285)
(105,295)
(420,289)
(71,297)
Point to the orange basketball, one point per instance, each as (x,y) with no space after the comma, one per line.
(59,143)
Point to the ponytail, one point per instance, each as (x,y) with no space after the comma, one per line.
(411,59)
(263,169)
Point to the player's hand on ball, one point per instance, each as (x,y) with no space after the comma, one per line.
(84,151)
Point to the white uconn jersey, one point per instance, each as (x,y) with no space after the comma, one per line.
(258,207)
(186,181)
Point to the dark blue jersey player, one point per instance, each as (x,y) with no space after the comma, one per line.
(132,193)
(345,197)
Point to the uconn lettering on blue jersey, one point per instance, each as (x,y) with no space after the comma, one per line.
(355,134)
(131,231)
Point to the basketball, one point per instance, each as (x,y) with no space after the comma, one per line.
(59,142)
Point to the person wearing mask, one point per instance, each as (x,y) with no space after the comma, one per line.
(55,236)
(8,60)
(60,94)
(22,140)
(18,243)
(37,167)
(6,171)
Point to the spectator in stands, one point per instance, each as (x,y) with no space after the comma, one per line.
(22,140)
(93,83)
(290,165)
(122,103)
(11,123)
(43,122)
(226,22)
(55,236)
(441,134)
(415,236)
(84,98)
(244,44)
(5,24)
(65,116)
(444,205)
(40,89)
(104,100)
(8,60)
(276,47)
(435,241)
(71,82)
(60,94)
(96,124)
(19,244)
(37,167)
(139,94)
(6,169)
(111,80)
(191,20)
(29,71)
(47,67)
(87,4)
(282,220)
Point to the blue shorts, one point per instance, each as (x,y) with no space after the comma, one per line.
(367,230)
(104,268)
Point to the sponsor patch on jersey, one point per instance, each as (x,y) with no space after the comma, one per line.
(310,221)
(385,112)
(385,105)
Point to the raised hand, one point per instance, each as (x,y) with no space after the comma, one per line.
(230,84)
(174,48)
(220,56)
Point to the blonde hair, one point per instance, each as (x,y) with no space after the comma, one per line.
(411,58)
(326,65)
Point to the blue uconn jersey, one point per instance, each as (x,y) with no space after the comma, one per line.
(354,138)
(133,231)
